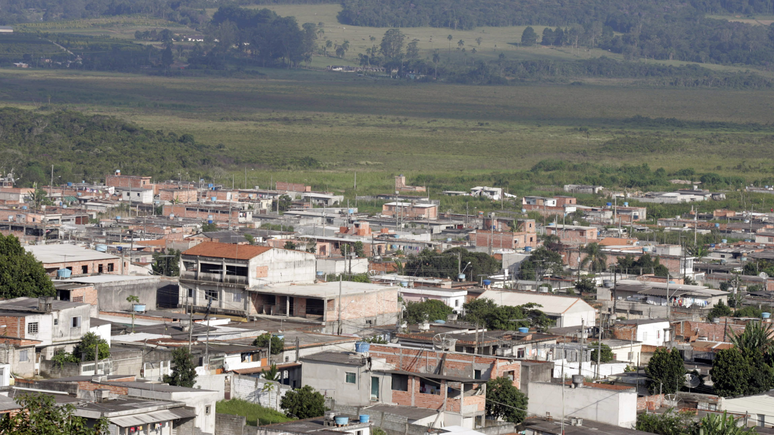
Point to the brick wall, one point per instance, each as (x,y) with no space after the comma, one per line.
(226,424)
(87,295)
(180,195)
(650,403)
(14,326)
(625,332)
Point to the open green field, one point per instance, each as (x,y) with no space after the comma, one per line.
(379,128)
(115,27)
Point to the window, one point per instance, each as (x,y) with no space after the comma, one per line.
(76,322)
(207,409)
(84,269)
(32,328)
(237,297)
(429,387)
(476,374)
(111,267)
(351,379)
(100,268)
(23,356)
(456,302)
(190,293)
(211,294)
(399,382)
(56,322)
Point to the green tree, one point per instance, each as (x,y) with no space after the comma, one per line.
(605,356)
(284,203)
(166,57)
(432,310)
(730,373)
(666,372)
(586,285)
(756,338)
(184,371)
(303,403)
(272,373)
(37,198)
(667,423)
(719,310)
(42,415)
(717,424)
(496,317)
(250,239)
(21,274)
(542,262)
(595,259)
(277,344)
(289,245)
(359,249)
(209,227)
(529,37)
(504,400)
(392,44)
(84,350)
(430,263)
(166,262)
(412,50)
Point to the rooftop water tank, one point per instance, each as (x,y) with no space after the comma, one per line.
(63,273)
(487,282)
(362,346)
(364,418)
(101,248)
(523,330)
(765,315)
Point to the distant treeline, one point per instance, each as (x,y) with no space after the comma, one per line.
(658,29)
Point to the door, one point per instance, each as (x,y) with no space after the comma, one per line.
(374,388)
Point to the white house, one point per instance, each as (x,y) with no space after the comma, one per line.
(611,404)
(650,332)
(454,298)
(564,310)
(142,196)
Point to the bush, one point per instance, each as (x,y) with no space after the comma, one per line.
(277,344)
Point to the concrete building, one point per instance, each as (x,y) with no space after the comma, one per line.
(493,193)
(230,275)
(128,181)
(111,291)
(410,210)
(137,196)
(232,214)
(565,311)
(611,404)
(454,298)
(757,408)
(78,260)
(50,323)
(582,188)
(178,195)
(573,234)
(650,332)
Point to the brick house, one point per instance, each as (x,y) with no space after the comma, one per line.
(411,210)
(129,181)
(78,260)
(573,234)
(217,213)
(178,195)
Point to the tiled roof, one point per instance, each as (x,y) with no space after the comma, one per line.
(226,250)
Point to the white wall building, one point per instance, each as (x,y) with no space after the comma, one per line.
(564,310)
(611,404)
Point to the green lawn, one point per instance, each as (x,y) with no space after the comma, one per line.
(255,414)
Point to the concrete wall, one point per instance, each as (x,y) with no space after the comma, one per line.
(226,424)
(330,380)
(340,265)
(112,295)
(607,404)
(201,400)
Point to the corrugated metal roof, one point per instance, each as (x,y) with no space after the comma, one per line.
(226,250)
(152,417)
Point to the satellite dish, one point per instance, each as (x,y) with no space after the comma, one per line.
(692,380)
(763,275)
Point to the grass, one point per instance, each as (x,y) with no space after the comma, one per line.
(255,414)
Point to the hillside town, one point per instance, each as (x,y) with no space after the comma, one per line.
(173,300)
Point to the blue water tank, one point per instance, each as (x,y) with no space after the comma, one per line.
(362,346)
(341,421)
(24,207)
(209,186)
(724,240)
(712,245)
(765,315)
(69,184)
(487,282)
(63,273)
(320,273)
(118,218)
(717,225)
(120,248)
(461,277)
(364,418)
(101,248)
(214,198)
(404,283)
(209,221)
(626,204)
(528,249)
(523,330)
(609,204)
(440,322)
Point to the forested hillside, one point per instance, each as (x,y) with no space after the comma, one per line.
(656,29)
(88,147)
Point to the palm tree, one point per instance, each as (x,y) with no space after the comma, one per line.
(757,337)
(595,258)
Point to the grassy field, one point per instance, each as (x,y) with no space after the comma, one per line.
(379,128)
(115,27)
(255,414)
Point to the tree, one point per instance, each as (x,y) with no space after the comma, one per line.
(289,245)
(209,227)
(595,258)
(496,317)
(542,262)
(431,310)
(479,40)
(460,43)
(250,239)
(430,263)
(412,50)
(21,274)
(719,310)
(166,262)
(42,415)
(277,344)
(450,37)
(586,285)
(272,373)
(666,373)
(392,44)
(668,423)
(38,197)
(359,249)
(84,350)
(166,57)
(184,371)
(303,403)
(284,203)
(605,356)
(528,37)
(132,299)
(717,424)
(504,400)
(756,338)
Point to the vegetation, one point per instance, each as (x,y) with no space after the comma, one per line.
(605,356)
(504,400)
(543,262)
(719,310)
(431,310)
(255,414)
(277,343)
(209,227)
(505,317)
(666,373)
(44,416)
(643,265)
(450,262)
(303,403)
(84,350)
(595,259)
(184,369)
(22,275)
(670,422)
(746,368)
(166,262)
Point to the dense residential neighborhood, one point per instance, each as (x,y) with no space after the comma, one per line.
(154,307)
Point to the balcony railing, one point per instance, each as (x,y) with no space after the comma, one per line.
(213,277)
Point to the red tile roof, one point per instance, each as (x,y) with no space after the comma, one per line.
(226,250)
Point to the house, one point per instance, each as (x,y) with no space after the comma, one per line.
(573,234)
(454,298)
(229,275)
(611,404)
(582,188)
(321,425)
(139,196)
(649,298)
(574,426)
(757,408)
(111,291)
(410,210)
(400,185)
(50,323)
(650,332)
(493,193)
(234,214)
(127,415)
(128,181)
(322,199)
(521,345)
(564,310)
(76,259)
(180,195)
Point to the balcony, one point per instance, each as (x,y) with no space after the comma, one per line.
(213,277)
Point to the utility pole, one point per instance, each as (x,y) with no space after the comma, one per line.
(599,351)
(582,347)
(339,308)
